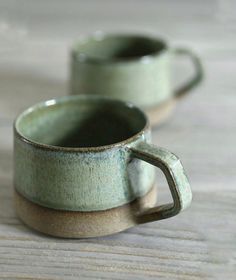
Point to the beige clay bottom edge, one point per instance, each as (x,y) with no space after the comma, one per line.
(77,224)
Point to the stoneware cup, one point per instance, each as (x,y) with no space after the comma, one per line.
(132,68)
(84,166)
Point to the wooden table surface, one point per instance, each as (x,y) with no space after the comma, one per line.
(199,243)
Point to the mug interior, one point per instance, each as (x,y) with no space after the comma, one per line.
(80,122)
(118,47)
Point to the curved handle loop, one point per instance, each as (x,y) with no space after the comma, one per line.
(198,76)
(176,178)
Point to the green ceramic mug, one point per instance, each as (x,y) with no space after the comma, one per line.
(132,68)
(84,166)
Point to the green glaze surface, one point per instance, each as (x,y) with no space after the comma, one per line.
(87,153)
(128,67)
(72,154)
(176,178)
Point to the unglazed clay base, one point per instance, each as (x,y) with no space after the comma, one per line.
(76,224)
(160,113)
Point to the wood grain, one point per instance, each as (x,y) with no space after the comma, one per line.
(199,243)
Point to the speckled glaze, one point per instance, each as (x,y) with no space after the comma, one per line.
(78,179)
(132,68)
(80,157)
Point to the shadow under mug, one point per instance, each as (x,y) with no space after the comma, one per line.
(84,166)
(132,68)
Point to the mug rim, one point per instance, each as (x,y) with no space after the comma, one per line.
(100,36)
(58,100)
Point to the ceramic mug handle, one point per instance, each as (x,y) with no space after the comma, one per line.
(176,178)
(198,71)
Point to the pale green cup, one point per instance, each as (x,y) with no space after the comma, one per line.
(128,67)
(87,154)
